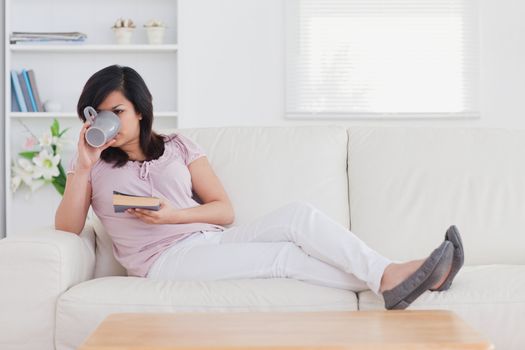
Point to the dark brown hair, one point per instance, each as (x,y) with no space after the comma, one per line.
(132,86)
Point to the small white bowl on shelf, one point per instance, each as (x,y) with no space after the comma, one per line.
(52,106)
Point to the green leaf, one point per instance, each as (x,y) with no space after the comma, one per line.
(63,131)
(61,181)
(55,128)
(62,172)
(28,154)
(59,187)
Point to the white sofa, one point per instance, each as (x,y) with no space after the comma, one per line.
(399,188)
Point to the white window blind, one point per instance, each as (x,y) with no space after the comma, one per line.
(381,58)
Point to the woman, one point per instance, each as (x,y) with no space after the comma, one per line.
(186,240)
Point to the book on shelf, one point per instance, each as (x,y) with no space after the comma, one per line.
(46,37)
(50,42)
(123,201)
(34,89)
(25,92)
(30,91)
(17,90)
(15,107)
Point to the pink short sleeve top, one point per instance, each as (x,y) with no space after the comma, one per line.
(136,244)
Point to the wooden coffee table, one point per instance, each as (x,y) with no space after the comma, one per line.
(286,330)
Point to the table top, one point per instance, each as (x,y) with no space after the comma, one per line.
(404,329)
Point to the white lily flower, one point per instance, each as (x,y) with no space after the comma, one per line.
(60,143)
(15,183)
(43,168)
(24,169)
(46,165)
(37,184)
(46,139)
(25,164)
(30,143)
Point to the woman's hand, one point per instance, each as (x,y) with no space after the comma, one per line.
(165,215)
(87,155)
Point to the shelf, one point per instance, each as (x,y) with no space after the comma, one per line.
(138,48)
(166,114)
(62,69)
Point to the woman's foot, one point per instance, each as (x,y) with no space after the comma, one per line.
(396,273)
(454,237)
(401,284)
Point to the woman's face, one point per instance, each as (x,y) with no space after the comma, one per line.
(129,119)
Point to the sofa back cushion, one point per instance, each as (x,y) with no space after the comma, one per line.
(408,184)
(263,168)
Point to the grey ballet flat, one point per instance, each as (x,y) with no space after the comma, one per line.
(432,270)
(454,237)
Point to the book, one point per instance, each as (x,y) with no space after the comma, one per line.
(15,107)
(55,35)
(32,80)
(123,201)
(50,42)
(30,91)
(18,91)
(25,92)
(29,37)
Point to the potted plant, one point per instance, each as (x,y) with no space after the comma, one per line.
(123,29)
(155,29)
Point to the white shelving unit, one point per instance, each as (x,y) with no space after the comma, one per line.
(85,48)
(62,70)
(167,114)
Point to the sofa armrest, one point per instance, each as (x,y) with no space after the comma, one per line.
(35,269)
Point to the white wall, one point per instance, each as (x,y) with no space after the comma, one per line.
(233,66)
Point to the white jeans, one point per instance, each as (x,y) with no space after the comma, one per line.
(295,241)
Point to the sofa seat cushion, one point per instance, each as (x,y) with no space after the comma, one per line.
(84,306)
(490,298)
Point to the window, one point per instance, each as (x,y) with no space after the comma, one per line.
(381,58)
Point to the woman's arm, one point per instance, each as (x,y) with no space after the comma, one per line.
(216,207)
(72,211)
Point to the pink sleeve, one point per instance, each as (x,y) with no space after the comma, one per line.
(71,165)
(193,150)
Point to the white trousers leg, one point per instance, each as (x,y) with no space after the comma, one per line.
(295,241)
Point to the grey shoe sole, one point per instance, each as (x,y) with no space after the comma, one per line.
(432,270)
(454,237)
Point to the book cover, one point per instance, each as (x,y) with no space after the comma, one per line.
(18,91)
(123,201)
(28,84)
(25,92)
(15,107)
(32,81)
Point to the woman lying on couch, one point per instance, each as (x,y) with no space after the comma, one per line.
(186,240)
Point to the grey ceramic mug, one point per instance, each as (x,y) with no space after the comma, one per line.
(104,126)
